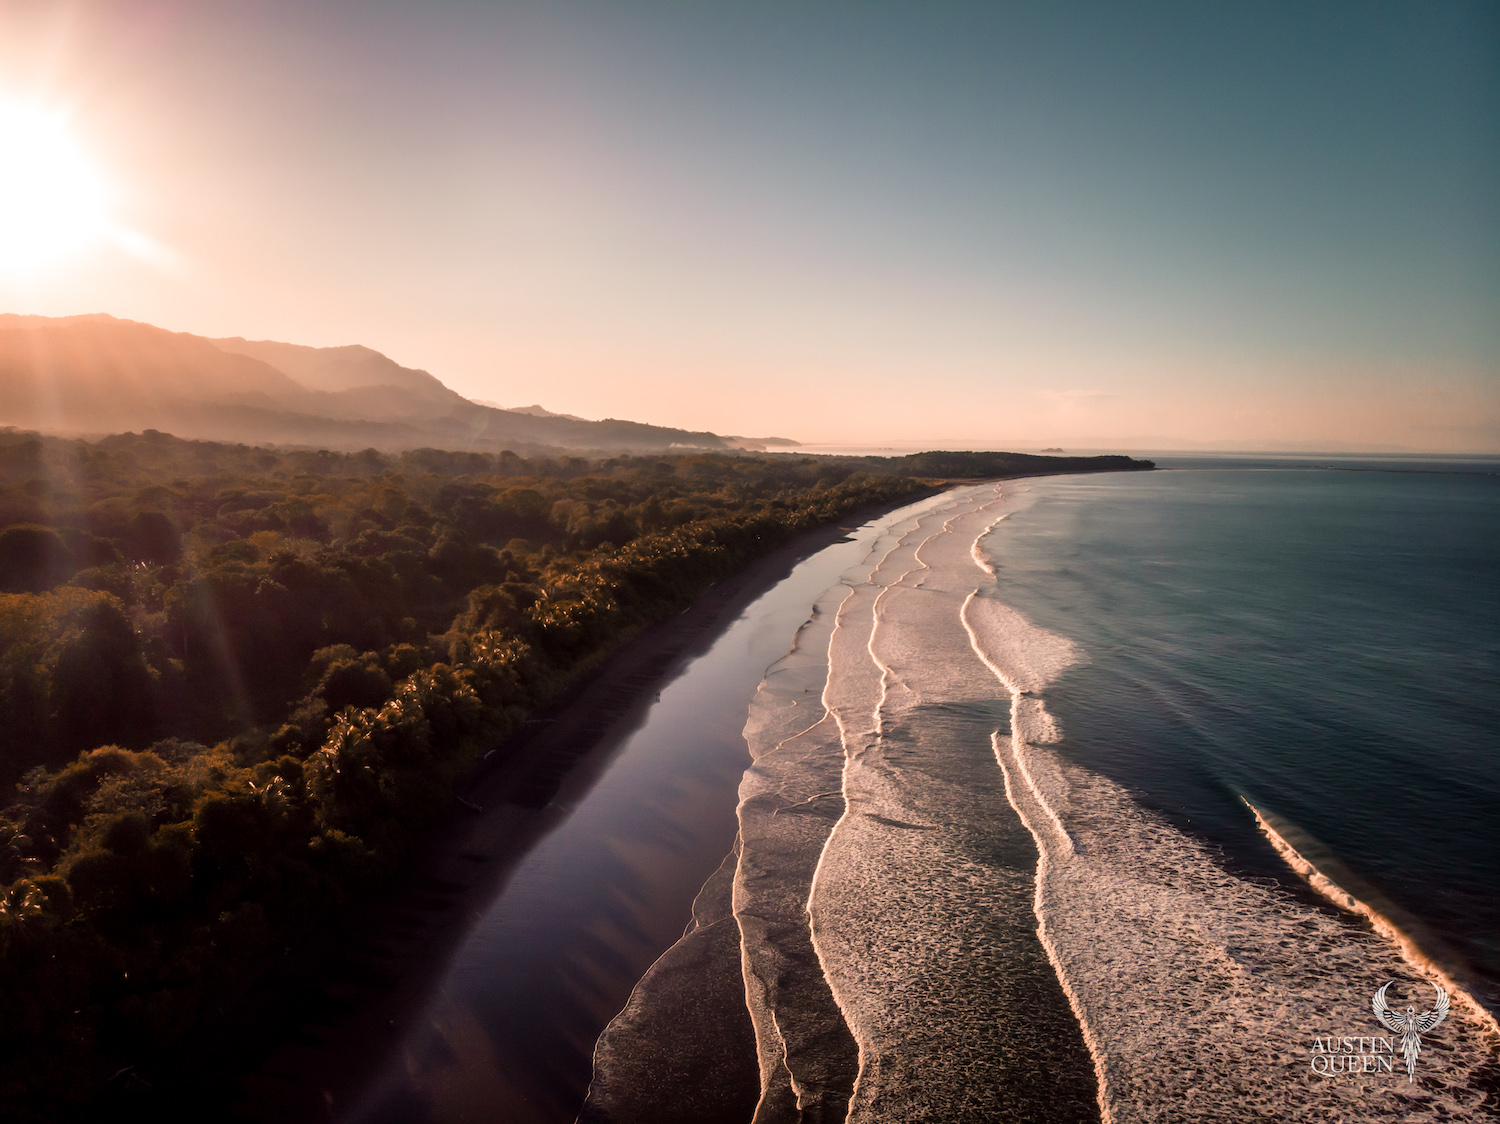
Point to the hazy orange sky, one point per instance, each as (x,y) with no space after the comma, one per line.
(1269,225)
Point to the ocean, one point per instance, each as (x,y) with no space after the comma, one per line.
(1322,643)
(1116,797)
(1081,798)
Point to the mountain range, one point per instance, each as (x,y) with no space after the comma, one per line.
(96,374)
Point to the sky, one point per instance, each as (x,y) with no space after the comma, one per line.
(1090,225)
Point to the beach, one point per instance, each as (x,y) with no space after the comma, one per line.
(940,892)
(357,992)
(944,915)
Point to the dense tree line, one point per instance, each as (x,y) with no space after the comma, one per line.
(970,464)
(235,683)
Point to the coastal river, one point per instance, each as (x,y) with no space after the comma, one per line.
(1076,799)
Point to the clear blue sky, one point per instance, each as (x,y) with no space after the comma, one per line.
(1255,224)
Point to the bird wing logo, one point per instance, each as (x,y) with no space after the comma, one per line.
(1410,1025)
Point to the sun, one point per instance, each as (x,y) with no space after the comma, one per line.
(53,201)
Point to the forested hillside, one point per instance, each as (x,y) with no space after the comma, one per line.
(85,375)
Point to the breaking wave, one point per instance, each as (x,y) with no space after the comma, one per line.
(940,917)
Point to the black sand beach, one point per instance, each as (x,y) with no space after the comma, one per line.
(359,988)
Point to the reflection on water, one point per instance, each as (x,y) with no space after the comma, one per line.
(509,1033)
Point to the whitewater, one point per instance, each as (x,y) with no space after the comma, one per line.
(930,913)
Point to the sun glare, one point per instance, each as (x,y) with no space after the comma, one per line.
(53,202)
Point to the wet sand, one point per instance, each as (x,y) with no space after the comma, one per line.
(883,890)
(943,918)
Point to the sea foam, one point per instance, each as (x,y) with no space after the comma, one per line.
(942,917)
(1199,992)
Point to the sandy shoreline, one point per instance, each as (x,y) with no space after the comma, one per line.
(1084,958)
(363,982)
(882,879)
